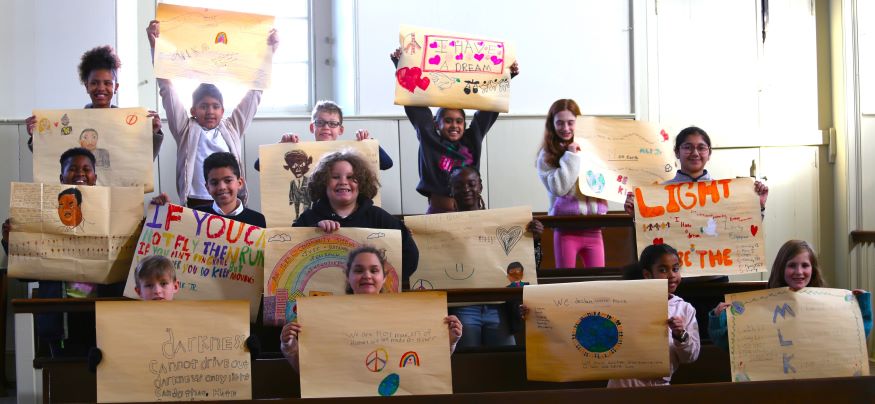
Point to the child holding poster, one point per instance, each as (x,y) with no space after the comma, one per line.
(365,274)
(98,72)
(487,324)
(156,278)
(343,187)
(795,267)
(445,143)
(206,132)
(559,167)
(660,261)
(326,124)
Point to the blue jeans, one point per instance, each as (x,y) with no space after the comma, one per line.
(484,324)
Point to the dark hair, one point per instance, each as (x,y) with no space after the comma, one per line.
(153,266)
(457,172)
(219,160)
(330,107)
(72,191)
(206,90)
(653,253)
(788,251)
(441,111)
(515,264)
(364,248)
(101,57)
(553,145)
(76,151)
(362,173)
(687,132)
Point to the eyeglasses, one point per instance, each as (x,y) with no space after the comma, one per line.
(331,124)
(701,148)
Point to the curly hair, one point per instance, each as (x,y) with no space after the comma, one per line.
(368,183)
(364,248)
(101,57)
(553,145)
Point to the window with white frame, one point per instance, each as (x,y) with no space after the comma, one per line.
(289,92)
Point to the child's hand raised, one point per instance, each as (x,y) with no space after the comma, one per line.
(362,134)
(161,199)
(536,227)
(720,307)
(328,226)
(763,191)
(156,121)
(273,40)
(395,56)
(289,138)
(289,337)
(455,327)
(30,123)
(153,31)
(629,206)
(514,69)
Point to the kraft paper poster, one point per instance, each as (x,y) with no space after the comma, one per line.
(73,233)
(452,70)
(215,258)
(286,169)
(716,225)
(173,351)
(213,46)
(623,151)
(473,249)
(305,261)
(120,138)
(779,334)
(374,345)
(617,329)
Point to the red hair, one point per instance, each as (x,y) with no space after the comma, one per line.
(553,145)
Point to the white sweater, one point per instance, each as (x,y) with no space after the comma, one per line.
(562,181)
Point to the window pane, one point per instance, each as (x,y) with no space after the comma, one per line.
(294,41)
(289,90)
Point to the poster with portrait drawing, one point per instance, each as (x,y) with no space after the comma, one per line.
(119,138)
(306,261)
(73,233)
(213,46)
(173,351)
(453,70)
(377,345)
(286,169)
(597,330)
(477,249)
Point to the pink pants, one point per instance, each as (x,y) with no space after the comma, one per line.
(568,244)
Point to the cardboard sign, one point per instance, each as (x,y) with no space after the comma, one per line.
(73,233)
(215,258)
(173,351)
(716,225)
(213,46)
(779,334)
(626,152)
(378,345)
(617,329)
(119,138)
(452,70)
(472,249)
(305,261)
(286,169)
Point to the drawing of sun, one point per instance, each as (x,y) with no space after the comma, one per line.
(598,334)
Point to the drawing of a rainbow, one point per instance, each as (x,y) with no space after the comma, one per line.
(409,358)
(222,38)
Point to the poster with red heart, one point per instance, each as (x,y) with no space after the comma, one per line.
(716,226)
(452,70)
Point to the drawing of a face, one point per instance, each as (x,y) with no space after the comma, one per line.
(88,139)
(515,273)
(69,207)
(298,162)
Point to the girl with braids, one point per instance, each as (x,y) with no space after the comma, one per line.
(558,167)
(486,324)
(98,72)
(365,275)
(343,187)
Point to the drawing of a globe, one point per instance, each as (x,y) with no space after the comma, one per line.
(597,333)
(596,183)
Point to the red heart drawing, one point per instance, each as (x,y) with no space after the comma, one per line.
(478,56)
(657,240)
(56,124)
(664,135)
(754,229)
(434,60)
(410,78)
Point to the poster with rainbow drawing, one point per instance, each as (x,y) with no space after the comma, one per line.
(452,70)
(305,261)
(377,345)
